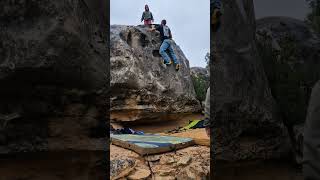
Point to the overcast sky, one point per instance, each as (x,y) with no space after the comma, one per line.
(292,8)
(187,19)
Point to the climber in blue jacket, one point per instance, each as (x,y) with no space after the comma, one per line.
(166,44)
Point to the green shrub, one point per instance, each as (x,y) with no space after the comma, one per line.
(313,18)
(201,85)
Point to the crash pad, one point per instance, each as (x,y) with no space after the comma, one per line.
(150,144)
(199,136)
(194,124)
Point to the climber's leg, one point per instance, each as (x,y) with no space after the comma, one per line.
(164,46)
(173,55)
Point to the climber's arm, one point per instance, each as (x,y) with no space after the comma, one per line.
(153,29)
(142,18)
(170,35)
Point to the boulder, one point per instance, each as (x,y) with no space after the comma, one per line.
(53,76)
(54,82)
(245,122)
(142,88)
(290,54)
(200,71)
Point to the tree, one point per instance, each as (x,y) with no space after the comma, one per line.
(313,18)
(201,81)
(207,58)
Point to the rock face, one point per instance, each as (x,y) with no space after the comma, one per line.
(246,124)
(199,71)
(142,88)
(53,75)
(291,59)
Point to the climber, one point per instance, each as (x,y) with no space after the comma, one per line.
(207,112)
(215,8)
(166,39)
(147,16)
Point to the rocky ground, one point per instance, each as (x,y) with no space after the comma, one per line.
(189,163)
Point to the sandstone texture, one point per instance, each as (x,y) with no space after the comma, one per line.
(188,163)
(54,80)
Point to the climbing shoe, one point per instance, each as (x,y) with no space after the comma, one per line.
(177,67)
(166,63)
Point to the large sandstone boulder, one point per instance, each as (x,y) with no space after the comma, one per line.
(245,122)
(53,75)
(142,88)
(53,95)
(290,55)
(291,59)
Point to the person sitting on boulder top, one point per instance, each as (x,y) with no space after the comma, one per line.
(215,8)
(166,44)
(147,16)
